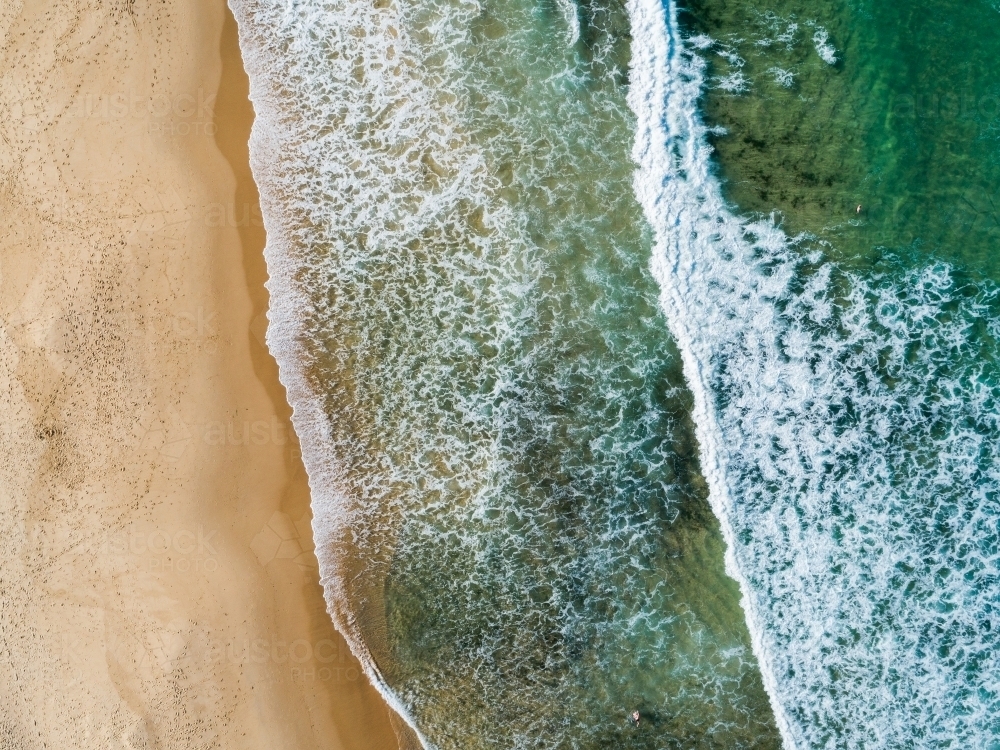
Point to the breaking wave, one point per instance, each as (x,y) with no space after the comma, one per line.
(849,434)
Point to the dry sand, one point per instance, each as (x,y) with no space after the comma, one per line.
(157,581)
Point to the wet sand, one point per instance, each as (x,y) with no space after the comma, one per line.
(158,583)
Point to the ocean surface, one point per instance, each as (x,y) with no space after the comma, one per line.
(644,356)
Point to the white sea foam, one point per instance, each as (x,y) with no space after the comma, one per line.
(466,365)
(782,77)
(572,16)
(734,83)
(826,51)
(774,24)
(808,382)
(848,431)
(390,254)
(323,45)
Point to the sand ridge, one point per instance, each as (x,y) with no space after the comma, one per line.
(157,581)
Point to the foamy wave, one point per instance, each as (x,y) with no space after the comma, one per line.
(782,77)
(826,51)
(491,413)
(291,52)
(849,435)
(572,15)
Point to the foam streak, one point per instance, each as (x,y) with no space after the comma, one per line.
(848,434)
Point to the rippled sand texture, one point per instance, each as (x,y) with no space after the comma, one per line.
(156,571)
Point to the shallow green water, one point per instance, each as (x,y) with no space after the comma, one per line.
(510,517)
(906,124)
(583,578)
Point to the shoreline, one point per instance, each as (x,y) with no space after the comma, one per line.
(359,711)
(333,531)
(162,588)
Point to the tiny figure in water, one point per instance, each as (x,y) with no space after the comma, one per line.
(859,208)
(634,718)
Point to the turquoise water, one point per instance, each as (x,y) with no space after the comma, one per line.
(610,397)
(905,124)
(843,363)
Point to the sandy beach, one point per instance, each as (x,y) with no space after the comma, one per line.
(158,586)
